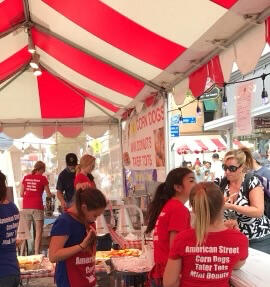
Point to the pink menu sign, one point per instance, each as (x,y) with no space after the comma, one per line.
(243,124)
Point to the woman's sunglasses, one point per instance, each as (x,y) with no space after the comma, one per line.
(231,168)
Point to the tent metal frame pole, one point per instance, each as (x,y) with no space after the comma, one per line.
(92,54)
(14,76)
(26,10)
(247,27)
(58,123)
(13,28)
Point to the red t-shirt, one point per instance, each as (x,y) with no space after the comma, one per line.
(33,189)
(173,217)
(81,178)
(210,264)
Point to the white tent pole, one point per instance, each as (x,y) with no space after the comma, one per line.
(167,134)
(121,153)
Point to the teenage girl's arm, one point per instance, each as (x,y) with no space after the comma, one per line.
(239,264)
(57,251)
(256,204)
(172,235)
(22,190)
(47,189)
(172,272)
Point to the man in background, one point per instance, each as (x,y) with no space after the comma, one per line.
(216,170)
(259,168)
(65,183)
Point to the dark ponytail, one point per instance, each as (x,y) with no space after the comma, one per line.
(164,192)
(3,187)
(91,197)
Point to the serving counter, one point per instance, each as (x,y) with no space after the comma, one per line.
(255,272)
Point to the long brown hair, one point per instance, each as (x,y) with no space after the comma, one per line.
(3,187)
(39,165)
(206,200)
(91,197)
(164,192)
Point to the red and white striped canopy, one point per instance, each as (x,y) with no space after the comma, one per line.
(200,144)
(100,58)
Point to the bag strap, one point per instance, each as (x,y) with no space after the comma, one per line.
(247,179)
(223,183)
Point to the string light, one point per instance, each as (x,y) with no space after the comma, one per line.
(180,116)
(31,46)
(224,98)
(198,110)
(265,99)
(37,72)
(35,61)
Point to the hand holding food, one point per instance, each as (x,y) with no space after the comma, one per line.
(90,239)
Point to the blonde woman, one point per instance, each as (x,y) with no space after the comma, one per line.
(32,188)
(206,254)
(245,198)
(84,172)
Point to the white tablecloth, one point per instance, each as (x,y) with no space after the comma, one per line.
(255,272)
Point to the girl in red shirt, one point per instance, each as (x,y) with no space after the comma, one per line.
(32,188)
(206,254)
(73,240)
(83,172)
(167,216)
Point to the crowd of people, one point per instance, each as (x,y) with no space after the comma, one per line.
(200,247)
(206,170)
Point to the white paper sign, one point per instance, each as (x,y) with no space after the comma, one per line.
(244,93)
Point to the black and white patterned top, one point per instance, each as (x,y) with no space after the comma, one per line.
(251,227)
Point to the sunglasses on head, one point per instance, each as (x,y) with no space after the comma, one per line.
(231,168)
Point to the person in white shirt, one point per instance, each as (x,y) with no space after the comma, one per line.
(216,170)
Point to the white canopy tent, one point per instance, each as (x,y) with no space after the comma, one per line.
(101,58)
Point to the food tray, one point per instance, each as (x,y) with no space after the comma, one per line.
(37,271)
(131,267)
